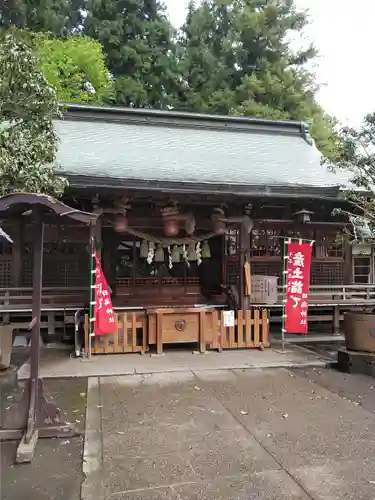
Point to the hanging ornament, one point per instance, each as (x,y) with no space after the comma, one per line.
(185,255)
(198,253)
(151,252)
(170,263)
(175,254)
(206,252)
(121,224)
(159,254)
(192,254)
(171,227)
(144,250)
(190,224)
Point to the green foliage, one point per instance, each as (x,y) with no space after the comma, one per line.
(231,57)
(138,41)
(28,104)
(75,66)
(355,153)
(235,57)
(60,17)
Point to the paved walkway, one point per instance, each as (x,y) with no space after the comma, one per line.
(56,363)
(225,435)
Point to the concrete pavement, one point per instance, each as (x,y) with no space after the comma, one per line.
(56,363)
(235,434)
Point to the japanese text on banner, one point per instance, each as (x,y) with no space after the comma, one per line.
(104,315)
(297,287)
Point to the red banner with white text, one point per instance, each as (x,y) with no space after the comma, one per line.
(104,316)
(297,284)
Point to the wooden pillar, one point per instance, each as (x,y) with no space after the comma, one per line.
(108,253)
(17,245)
(336,320)
(244,256)
(348,264)
(97,231)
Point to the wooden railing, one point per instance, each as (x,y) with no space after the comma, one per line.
(136,331)
(152,282)
(13,299)
(332,295)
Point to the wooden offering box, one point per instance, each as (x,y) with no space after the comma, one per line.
(170,326)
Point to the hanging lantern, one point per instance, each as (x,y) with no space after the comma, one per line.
(171,227)
(192,254)
(159,254)
(219,226)
(121,224)
(303,216)
(175,254)
(144,250)
(206,251)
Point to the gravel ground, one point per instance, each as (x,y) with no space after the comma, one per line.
(56,471)
(358,389)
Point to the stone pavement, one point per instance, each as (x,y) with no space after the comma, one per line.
(56,363)
(56,470)
(225,435)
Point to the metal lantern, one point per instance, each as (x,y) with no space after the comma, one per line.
(121,224)
(171,227)
(304,216)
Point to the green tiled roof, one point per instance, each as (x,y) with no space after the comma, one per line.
(171,147)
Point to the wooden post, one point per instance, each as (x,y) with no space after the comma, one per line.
(348,264)
(202,331)
(159,333)
(17,253)
(244,256)
(336,320)
(242,263)
(98,236)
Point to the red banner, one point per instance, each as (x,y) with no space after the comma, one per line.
(104,316)
(297,287)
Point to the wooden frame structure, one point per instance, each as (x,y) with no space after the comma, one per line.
(197,174)
(33,416)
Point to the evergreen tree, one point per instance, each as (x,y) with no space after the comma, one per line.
(60,17)
(236,57)
(138,41)
(28,105)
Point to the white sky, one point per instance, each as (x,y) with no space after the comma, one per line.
(343,31)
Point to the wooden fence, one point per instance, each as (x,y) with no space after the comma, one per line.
(129,336)
(136,331)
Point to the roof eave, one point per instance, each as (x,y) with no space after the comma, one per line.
(253,191)
(177,118)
